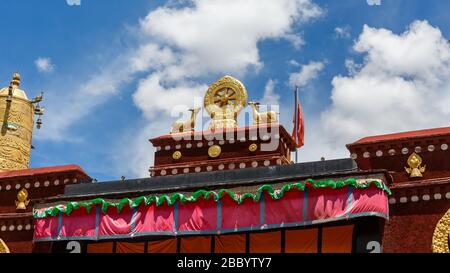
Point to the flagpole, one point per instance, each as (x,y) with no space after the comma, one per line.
(296,123)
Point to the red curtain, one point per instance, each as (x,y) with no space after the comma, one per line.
(234,243)
(162,246)
(337,239)
(267,242)
(196,244)
(301,241)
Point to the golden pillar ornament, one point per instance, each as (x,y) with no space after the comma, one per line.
(17,121)
(415,166)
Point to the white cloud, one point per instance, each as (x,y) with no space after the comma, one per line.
(293,63)
(73,2)
(342,32)
(270,97)
(307,73)
(178,48)
(403,84)
(44,65)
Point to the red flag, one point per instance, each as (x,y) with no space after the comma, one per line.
(300,127)
(298,134)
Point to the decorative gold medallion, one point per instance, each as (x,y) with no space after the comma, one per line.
(176,155)
(441,233)
(415,169)
(214,151)
(22,200)
(253,147)
(3,247)
(224,100)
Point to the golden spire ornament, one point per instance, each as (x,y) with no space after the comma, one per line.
(17,121)
(415,169)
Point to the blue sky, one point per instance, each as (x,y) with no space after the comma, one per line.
(101,62)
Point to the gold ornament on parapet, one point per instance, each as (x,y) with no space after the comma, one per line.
(181,126)
(253,147)
(214,151)
(224,100)
(415,169)
(22,200)
(441,235)
(176,155)
(3,247)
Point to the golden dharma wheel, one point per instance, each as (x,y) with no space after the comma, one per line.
(224,100)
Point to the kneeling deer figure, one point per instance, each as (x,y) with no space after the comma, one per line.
(181,126)
(262,117)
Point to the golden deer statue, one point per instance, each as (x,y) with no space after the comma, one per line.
(262,117)
(181,126)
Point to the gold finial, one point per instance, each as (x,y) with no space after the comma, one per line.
(22,200)
(415,169)
(176,155)
(16,80)
(253,147)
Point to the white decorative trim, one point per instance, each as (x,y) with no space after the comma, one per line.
(74,180)
(265,137)
(46,183)
(418,149)
(0,187)
(403,199)
(354,156)
(19,227)
(3,228)
(209,168)
(242,139)
(431,148)
(56,182)
(186,170)
(231,141)
(27,185)
(253,138)
(174,171)
(266,163)
(366,154)
(158,148)
(188,145)
(11,228)
(426,197)
(277,136)
(379,153)
(414,198)
(67,180)
(211,143)
(279,161)
(437,196)
(254,164)
(17,186)
(178,146)
(392,201)
(167,147)
(8,187)
(197,169)
(231,166)
(391,152)
(200,144)
(28,227)
(444,147)
(447,195)
(163,172)
(242,165)
(152,173)
(37,184)
(221,167)
(221,142)
(405,151)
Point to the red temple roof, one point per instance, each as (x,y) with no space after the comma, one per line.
(43,171)
(404,135)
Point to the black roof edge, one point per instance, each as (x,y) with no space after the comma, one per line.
(210,180)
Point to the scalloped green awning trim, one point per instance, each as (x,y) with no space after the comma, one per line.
(170,199)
